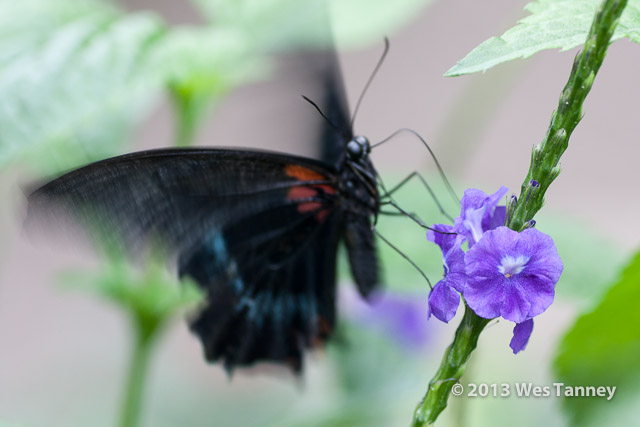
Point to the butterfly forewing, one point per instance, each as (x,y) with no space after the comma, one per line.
(176,195)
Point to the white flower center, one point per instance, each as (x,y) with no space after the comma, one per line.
(510,265)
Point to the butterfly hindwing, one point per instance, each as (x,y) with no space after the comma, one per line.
(261,306)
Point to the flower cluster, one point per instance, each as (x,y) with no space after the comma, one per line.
(503,273)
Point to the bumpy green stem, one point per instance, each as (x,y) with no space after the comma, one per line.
(451,369)
(545,158)
(544,168)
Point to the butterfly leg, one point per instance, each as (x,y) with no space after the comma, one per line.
(412,175)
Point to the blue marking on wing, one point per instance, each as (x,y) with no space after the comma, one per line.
(210,263)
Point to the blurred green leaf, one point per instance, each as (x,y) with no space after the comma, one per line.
(271,24)
(80,76)
(198,77)
(561,24)
(151,293)
(286,23)
(77,75)
(360,22)
(603,347)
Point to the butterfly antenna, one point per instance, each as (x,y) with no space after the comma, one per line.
(321,113)
(403,255)
(375,71)
(452,192)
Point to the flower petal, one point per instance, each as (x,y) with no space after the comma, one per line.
(529,290)
(455,275)
(521,334)
(545,260)
(495,198)
(496,219)
(515,306)
(485,296)
(477,212)
(483,259)
(443,301)
(445,241)
(537,290)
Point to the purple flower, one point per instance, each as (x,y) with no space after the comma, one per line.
(511,274)
(504,273)
(443,298)
(479,213)
(521,333)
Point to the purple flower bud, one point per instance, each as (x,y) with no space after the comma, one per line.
(533,186)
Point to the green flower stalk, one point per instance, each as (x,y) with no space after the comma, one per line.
(451,368)
(543,170)
(545,158)
(151,299)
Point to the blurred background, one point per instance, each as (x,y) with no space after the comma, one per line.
(80,80)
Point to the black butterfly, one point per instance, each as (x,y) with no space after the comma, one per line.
(258,231)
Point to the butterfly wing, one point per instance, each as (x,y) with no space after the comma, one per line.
(176,195)
(269,299)
(258,231)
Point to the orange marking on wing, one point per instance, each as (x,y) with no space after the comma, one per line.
(327,189)
(309,207)
(302,173)
(301,193)
(308,192)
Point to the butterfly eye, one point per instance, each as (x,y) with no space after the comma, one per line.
(358,147)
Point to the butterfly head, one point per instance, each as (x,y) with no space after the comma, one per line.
(358,148)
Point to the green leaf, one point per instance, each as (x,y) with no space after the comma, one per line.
(358,23)
(561,24)
(151,294)
(283,23)
(198,76)
(74,77)
(603,347)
